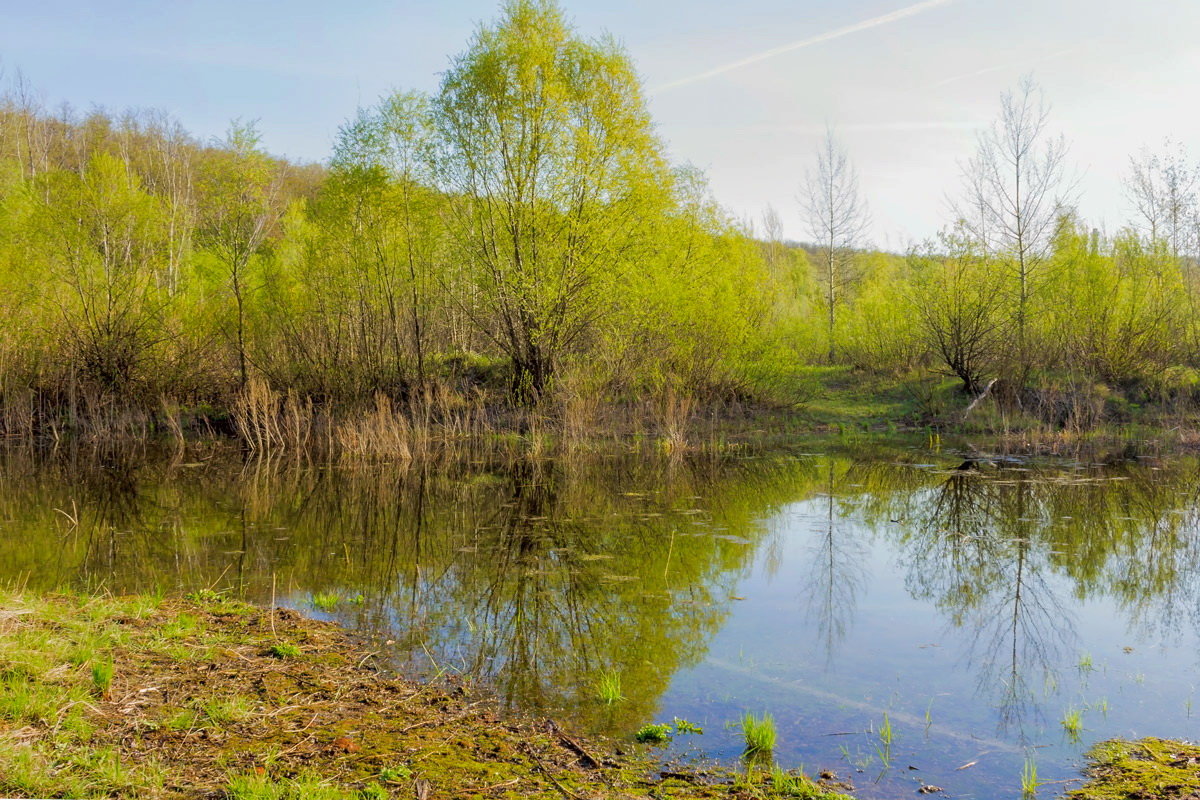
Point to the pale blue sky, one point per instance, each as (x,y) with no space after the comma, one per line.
(905,94)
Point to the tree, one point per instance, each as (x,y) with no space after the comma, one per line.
(837,219)
(1162,187)
(105,238)
(550,155)
(241,206)
(1012,203)
(378,214)
(957,303)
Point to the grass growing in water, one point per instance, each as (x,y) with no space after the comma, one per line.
(886,736)
(786,784)
(1072,723)
(759,734)
(1029,778)
(326,602)
(608,687)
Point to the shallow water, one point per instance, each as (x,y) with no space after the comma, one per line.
(972,610)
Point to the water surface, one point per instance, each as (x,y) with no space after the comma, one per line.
(970,607)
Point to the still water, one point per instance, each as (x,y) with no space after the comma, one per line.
(971,610)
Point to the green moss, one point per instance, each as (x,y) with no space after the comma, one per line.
(1150,768)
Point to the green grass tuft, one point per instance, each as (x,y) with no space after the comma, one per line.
(608,687)
(326,602)
(102,676)
(759,735)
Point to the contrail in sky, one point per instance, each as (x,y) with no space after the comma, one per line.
(874,22)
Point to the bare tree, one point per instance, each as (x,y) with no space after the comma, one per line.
(1162,187)
(837,220)
(1013,201)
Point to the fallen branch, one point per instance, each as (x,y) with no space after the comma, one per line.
(982,396)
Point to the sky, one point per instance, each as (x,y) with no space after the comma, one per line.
(743,90)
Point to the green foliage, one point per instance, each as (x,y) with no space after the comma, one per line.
(1029,778)
(654,733)
(1072,723)
(400,772)
(102,675)
(799,785)
(518,235)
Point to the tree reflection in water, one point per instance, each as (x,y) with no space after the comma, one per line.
(540,575)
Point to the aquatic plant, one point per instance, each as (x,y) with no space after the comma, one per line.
(654,733)
(683,727)
(608,687)
(1029,778)
(886,736)
(759,734)
(1072,722)
(324,601)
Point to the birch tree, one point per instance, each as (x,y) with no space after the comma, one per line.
(1013,200)
(837,220)
(1162,188)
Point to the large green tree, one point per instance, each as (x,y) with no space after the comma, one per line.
(550,154)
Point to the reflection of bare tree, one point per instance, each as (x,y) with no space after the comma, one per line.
(1022,634)
(837,570)
(977,552)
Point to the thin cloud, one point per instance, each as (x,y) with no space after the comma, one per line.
(874,22)
(1009,65)
(897,126)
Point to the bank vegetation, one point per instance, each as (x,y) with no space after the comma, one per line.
(515,252)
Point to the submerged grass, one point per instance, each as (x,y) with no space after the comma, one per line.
(212,698)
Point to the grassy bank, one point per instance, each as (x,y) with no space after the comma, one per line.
(203,697)
(1150,768)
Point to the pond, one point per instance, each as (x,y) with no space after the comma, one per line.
(907,616)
